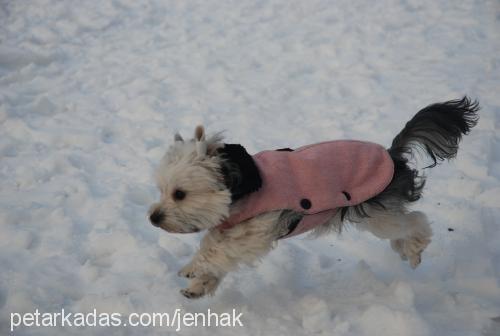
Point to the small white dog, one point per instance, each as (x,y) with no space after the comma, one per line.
(249,202)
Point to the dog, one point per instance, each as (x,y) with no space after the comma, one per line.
(247,203)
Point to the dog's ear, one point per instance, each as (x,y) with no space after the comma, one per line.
(241,174)
(199,133)
(201,143)
(178,138)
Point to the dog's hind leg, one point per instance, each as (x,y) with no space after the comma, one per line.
(223,251)
(411,247)
(409,233)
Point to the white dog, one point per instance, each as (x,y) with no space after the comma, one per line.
(249,202)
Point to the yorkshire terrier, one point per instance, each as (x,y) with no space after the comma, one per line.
(247,203)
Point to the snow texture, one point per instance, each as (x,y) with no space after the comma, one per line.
(91,93)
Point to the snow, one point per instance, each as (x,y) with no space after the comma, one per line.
(91,93)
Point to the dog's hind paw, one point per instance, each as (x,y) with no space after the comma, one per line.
(415,260)
(411,249)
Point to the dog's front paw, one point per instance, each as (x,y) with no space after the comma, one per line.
(190,294)
(187,271)
(201,286)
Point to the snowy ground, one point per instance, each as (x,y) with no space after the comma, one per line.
(91,93)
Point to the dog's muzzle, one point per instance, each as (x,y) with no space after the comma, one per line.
(156,218)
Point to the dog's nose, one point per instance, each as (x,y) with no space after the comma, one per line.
(156,217)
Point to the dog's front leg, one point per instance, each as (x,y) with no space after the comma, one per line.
(223,251)
(201,286)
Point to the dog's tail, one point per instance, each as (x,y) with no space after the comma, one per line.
(434,131)
(437,129)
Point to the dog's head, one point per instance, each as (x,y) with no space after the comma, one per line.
(199,180)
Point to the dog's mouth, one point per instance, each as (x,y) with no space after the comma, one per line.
(189,230)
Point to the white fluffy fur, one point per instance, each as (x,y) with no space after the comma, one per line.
(194,168)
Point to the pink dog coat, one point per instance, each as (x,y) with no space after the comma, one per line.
(316,180)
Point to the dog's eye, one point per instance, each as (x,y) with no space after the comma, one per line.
(179,194)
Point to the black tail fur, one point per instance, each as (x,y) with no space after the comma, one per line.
(435,131)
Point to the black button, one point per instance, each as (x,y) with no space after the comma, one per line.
(347,195)
(305,203)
